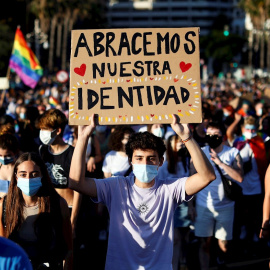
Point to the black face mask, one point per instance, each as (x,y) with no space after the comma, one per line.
(213,141)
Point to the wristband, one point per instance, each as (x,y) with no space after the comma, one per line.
(264,229)
(186,140)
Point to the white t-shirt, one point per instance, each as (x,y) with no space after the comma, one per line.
(115,163)
(212,196)
(141,221)
(180,171)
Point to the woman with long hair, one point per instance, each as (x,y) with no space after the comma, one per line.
(177,166)
(116,161)
(33,215)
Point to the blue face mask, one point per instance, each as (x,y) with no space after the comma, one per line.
(30,186)
(145,173)
(159,132)
(22,115)
(6,160)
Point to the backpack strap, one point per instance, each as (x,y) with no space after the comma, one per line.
(128,171)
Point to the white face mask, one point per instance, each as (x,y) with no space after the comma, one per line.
(249,135)
(159,132)
(46,136)
(260,111)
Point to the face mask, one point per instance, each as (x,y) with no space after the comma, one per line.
(124,141)
(22,115)
(260,112)
(101,129)
(249,135)
(213,141)
(145,173)
(6,160)
(46,136)
(30,186)
(17,128)
(159,132)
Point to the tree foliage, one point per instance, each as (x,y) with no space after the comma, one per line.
(6,43)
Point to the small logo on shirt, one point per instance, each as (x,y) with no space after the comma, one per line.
(143,208)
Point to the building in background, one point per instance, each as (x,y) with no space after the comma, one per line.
(174,13)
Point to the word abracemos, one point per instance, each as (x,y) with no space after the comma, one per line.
(134,96)
(145,44)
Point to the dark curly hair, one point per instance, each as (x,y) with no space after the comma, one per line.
(116,137)
(145,140)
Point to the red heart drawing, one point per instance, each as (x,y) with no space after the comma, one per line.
(128,80)
(81,70)
(86,83)
(189,83)
(189,105)
(152,115)
(151,79)
(76,113)
(120,116)
(72,99)
(104,82)
(185,67)
(179,110)
(176,80)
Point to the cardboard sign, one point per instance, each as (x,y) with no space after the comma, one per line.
(235,102)
(266,95)
(135,76)
(4,83)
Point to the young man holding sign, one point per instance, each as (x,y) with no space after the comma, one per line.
(141,207)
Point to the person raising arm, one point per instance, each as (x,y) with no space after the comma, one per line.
(205,172)
(141,206)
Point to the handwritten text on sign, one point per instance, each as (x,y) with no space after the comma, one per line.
(135,76)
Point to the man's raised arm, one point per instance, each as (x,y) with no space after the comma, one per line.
(205,171)
(77,180)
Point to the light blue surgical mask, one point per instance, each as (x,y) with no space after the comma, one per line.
(22,115)
(6,160)
(159,132)
(145,173)
(29,186)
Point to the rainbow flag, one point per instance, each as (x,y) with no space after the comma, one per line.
(24,62)
(53,101)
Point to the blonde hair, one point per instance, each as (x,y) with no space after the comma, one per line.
(250,120)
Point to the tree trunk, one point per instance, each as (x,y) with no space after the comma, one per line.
(65,41)
(268,52)
(262,50)
(59,39)
(250,46)
(51,50)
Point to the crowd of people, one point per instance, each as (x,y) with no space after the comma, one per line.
(67,193)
